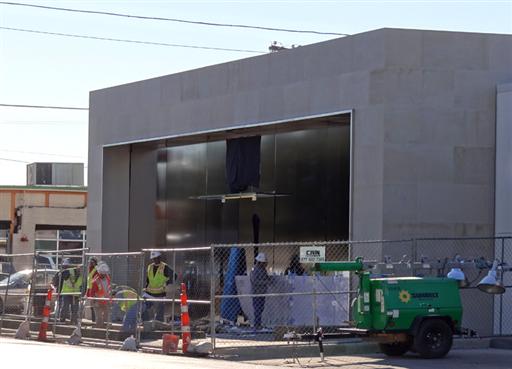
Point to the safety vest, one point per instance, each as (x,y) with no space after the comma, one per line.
(73,283)
(90,277)
(103,291)
(158,280)
(126,305)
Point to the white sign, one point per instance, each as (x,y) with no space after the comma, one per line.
(312,254)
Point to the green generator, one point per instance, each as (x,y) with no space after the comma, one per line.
(403,313)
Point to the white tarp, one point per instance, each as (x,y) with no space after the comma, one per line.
(331,309)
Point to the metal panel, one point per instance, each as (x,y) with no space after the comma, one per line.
(186,178)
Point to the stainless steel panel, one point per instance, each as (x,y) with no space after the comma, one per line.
(186,178)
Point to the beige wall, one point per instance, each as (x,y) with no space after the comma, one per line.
(67,200)
(5,206)
(30,199)
(48,216)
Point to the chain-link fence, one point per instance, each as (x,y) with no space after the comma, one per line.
(111,301)
(189,266)
(238,294)
(263,291)
(15,304)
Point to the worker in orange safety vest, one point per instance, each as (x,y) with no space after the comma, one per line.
(101,288)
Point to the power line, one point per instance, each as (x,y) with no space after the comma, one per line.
(43,106)
(42,153)
(130,41)
(175,19)
(40,122)
(16,161)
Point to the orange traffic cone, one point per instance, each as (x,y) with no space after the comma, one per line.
(185,320)
(46,316)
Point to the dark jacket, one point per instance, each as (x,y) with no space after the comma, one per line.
(259,279)
(59,278)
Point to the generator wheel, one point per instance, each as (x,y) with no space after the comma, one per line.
(434,339)
(395,349)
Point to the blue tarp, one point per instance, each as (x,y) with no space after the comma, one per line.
(230,307)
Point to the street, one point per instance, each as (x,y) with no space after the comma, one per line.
(459,359)
(21,354)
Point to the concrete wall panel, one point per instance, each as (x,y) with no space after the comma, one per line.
(115,210)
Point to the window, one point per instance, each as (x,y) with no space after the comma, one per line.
(54,239)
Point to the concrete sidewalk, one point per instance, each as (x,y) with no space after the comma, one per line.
(307,351)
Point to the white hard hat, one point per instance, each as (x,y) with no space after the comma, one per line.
(103,268)
(66,262)
(155,254)
(262,258)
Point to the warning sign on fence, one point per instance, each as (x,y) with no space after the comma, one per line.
(312,254)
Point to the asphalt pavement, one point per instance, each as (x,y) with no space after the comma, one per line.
(456,359)
(32,354)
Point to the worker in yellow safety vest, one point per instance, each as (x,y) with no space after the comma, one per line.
(68,283)
(159,275)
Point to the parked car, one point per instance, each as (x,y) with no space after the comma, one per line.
(18,288)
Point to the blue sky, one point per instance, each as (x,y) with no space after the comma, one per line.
(50,70)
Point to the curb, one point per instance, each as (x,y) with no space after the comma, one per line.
(503,343)
(253,353)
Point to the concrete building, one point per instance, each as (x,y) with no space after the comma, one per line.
(416,112)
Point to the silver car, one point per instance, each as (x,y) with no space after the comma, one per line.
(14,290)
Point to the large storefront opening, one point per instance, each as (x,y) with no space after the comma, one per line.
(269,183)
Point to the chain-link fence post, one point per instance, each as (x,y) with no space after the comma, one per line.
(6,294)
(83,290)
(212,296)
(314,302)
(140,300)
(501,279)
(32,288)
(414,251)
(173,318)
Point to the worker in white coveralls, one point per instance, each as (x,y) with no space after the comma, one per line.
(158,276)
(101,288)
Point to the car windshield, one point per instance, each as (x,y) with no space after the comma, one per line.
(19,276)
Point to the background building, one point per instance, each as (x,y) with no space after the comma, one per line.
(48,217)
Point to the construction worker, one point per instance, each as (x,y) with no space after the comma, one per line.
(128,307)
(159,275)
(68,283)
(259,283)
(91,274)
(101,288)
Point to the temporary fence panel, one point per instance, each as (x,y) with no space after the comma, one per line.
(257,302)
(161,312)
(479,307)
(15,304)
(111,298)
